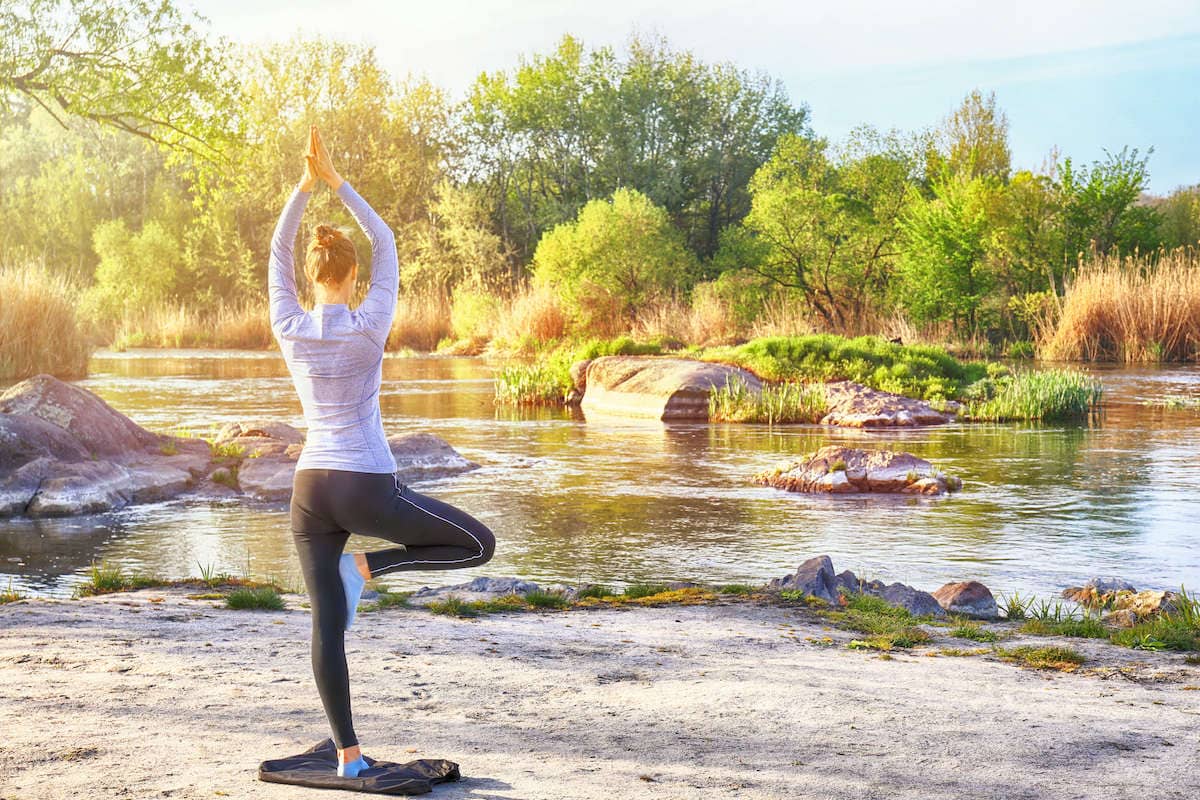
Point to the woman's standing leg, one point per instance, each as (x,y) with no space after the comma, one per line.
(319,546)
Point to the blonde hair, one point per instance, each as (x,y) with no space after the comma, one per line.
(331,256)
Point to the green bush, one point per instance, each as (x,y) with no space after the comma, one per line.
(136,270)
(921,371)
(615,257)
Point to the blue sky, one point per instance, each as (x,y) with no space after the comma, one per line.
(1079,75)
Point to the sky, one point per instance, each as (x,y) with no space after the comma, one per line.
(1080,76)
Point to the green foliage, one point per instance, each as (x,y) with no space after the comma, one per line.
(543,599)
(735,401)
(596,590)
(826,223)
(104,578)
(1050,394)
(137,270)
(914,370)
(265,598)
(1099,211)
(944,275)
(974,139)
(889,626)
(1059,658)
(636,590)
(617,256)
(974,632)
(11,595)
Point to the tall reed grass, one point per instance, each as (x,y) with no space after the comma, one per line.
(1131,309)
(243,325)
(39,328)
(1041,395)
(780,403)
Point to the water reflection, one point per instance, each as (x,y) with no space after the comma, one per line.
(617,500)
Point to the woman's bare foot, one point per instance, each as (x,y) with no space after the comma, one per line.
(351,753)
(360,559)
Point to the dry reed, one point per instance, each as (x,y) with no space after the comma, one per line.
(39,328)
(1132,309)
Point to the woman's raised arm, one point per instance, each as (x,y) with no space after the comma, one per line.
(281,273)
(379,305)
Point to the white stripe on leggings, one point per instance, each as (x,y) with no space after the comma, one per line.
(400,494)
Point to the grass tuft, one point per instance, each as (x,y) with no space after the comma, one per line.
(1063,659)
(254,598)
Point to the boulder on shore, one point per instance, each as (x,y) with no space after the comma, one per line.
(843,470)
(970,598)
(654,387)
(815,577)
(1121,603)
(853,405)
(481,588)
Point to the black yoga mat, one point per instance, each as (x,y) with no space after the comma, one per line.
(317,767)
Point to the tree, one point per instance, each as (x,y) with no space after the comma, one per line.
(974,139)
(617,256)
(943,268)
(827,225)
(1098,204)
(138,65)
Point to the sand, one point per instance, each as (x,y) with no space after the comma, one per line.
(123,697)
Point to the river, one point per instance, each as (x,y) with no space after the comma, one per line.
(572,500)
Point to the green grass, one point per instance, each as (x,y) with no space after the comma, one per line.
(737,588)
(105,578)
(775,404)
(226,477)
(595,590)
(974,632)
(543,599)
(888,626)
(254,598)
(1087,627)
(1036,395)
(547,379)
(1171,630)
(1054,657)
(1175,401)
(227,449)
(11,595)
(386,599)
(920,371)
(636,590)
(454,606)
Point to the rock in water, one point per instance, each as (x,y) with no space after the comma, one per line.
(842,470)
(970,598)
(654,387)
(853,405)
(65,451)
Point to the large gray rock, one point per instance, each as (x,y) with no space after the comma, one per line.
(853,405)
(970,598)
(814,577)
(64,451)
(654,387)
(843,470)
(423,456)
(94,424)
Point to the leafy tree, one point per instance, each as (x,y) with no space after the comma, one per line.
(136,270)
(1098,204)
(827,225)
(456,247)
(617,256)
(974,139)
(140,66)
(1180,215)
(1027,244)
(944,269)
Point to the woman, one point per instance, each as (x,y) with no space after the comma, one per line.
(345,479)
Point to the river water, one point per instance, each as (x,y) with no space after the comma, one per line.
(618,501)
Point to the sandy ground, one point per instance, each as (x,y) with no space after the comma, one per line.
(123,697)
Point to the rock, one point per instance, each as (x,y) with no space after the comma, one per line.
(268,478)
(1097,592)
(814,577)
(65,451)
(93,423)
(481,588)
(918,603)
(1129,608)
(853,405)
(579,375)
(655,387)
(970,598)
(861,471)
(423,456)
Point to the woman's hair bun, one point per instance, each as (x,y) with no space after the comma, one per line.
(325,235)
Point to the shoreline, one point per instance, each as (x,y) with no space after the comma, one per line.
(147,693)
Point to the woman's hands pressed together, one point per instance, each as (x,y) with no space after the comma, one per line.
(317,164)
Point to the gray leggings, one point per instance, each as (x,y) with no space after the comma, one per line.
(327,506)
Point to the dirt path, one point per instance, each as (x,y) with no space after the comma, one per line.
(122,697)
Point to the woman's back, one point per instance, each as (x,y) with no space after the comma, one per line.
(335,355)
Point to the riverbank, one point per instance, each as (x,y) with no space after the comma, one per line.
(152,694)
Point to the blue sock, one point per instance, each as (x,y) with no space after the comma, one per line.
(351,768)
(353,582)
